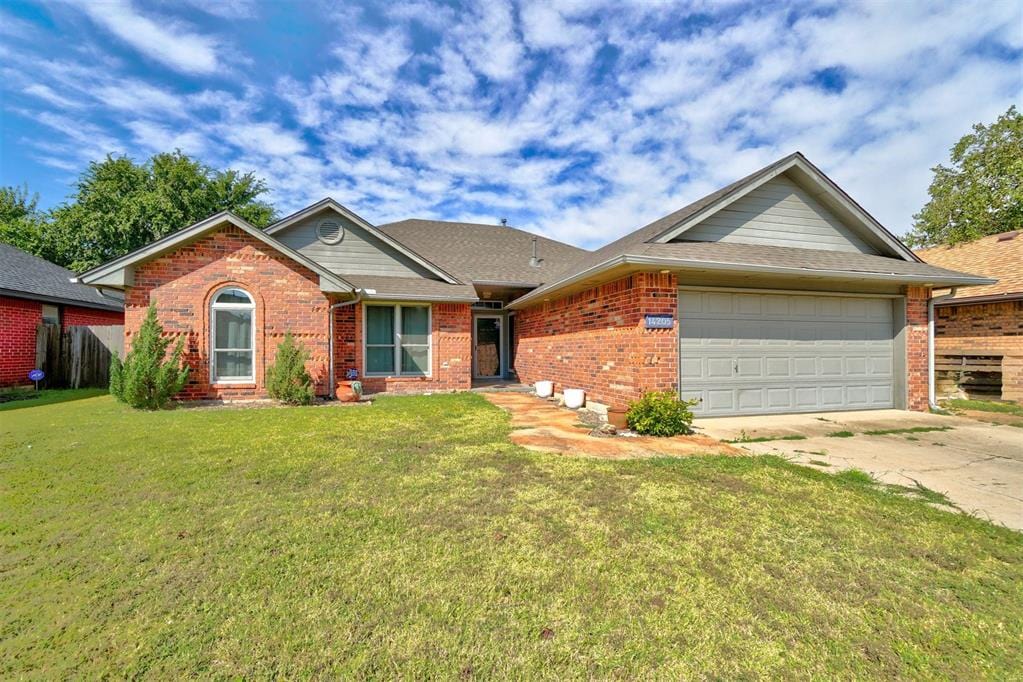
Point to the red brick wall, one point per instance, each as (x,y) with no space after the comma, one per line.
(916,348)
(18,321)
(73,315)
(985,329)
(595,340)
(286,294)
(451,353)
(995,328)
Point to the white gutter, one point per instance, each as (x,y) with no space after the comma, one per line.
(330,341)
(932,400)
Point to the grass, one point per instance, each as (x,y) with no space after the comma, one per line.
(410,539)
(21,398)
(984,406)
(841,434)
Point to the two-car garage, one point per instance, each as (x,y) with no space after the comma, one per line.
(748,352)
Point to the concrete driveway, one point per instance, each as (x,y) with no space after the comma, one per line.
(978,465)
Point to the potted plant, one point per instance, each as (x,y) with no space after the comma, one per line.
(349,391)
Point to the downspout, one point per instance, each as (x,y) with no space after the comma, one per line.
(932,401)
(330,341)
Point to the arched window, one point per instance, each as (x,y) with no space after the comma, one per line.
(233,332)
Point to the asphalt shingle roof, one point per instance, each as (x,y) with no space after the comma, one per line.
(792,257)
(999,256)
(485,253)
(411,286)
(26,276)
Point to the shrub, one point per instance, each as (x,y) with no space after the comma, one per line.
(287,379)
(148,379)
(116,384)
(660,414)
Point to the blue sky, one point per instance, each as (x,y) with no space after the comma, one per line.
(580,120)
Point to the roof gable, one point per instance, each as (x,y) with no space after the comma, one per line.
(778,213)
(367,227)
(118,272)
(357,251)
(813,185)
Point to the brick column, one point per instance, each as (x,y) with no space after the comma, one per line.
(916,348)
(1012,377)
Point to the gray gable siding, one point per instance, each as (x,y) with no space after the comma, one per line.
(358,253)
(778,213)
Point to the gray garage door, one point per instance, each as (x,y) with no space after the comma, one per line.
(748,353)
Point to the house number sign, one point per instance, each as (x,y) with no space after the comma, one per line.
(660,321)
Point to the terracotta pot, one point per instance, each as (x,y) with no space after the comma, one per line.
(348,391)
(616,417)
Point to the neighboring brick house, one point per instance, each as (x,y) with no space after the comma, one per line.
(777,293)
(984,320)
(32,291)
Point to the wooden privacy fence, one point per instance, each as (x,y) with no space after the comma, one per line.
(973,376)
(78,356)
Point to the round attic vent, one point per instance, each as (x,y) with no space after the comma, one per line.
(330,231)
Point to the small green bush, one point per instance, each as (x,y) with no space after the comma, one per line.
(147,379)
(660,414)
(287,379)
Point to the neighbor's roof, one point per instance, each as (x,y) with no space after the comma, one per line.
(643,244)
(999,256)
(23,275)
(485,253)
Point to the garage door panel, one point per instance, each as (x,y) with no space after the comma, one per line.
(762,353)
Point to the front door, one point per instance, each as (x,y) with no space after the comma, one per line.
(487,335)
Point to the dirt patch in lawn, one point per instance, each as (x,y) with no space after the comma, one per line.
(543,426)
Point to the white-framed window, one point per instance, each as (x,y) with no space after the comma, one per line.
(233,336)
(397,339)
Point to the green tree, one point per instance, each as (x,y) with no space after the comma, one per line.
(287,379)
(120,205)
(982,192)
(21,223)
(148,379)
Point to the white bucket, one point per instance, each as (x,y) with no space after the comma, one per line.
(544,389)
(574,398)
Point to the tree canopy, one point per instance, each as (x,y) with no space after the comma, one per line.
(120,205)
(981,193)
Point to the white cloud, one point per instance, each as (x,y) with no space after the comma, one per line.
(163,40)
(262,138)
(157,138)
(579,119)
(47,94)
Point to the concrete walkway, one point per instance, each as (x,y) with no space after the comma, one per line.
(543,426)
(978,465)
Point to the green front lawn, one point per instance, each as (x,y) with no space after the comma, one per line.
(984,406)
(411,539)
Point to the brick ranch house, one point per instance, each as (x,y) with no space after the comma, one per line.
(777,293)
(33,291)
(985,321)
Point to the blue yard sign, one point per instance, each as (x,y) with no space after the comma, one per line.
(660,321)
(36,375)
